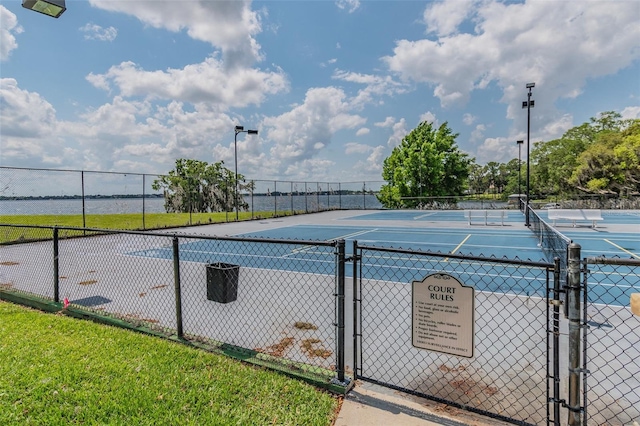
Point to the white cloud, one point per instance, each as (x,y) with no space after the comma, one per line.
(130,132)
(430,117)
(630,112)
(297,133)
(510,43)
(96,32)
(372,165)
(29,128)
(375,86)
(228,25)
(363,131)
(388,122)
(206,82)
(493,149)
(356,148)
(329,62)
(8,28)
(350,5)
(311,168)
(444,18)
(469,119)
(24,114)
(399,132)
(478,132)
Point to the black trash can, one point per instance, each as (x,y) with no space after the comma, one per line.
(222,282)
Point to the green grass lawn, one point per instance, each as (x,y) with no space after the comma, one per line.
(57,370)
(125,221)
(133,220)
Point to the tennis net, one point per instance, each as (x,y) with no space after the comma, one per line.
(552,242)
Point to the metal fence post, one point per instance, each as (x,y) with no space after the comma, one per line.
(556,341)
(56,273)
(144,196)
(573,301)
(356,301)
(340,311)
(176,275)
(84,213)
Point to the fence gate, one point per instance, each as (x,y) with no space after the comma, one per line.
(510,374)
(611,349)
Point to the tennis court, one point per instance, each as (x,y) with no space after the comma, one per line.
(427,231)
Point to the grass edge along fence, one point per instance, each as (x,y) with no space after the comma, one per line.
(150,380)
(79,255)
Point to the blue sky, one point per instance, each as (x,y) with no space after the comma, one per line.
(332,86)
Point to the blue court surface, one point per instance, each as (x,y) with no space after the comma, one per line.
(511,241)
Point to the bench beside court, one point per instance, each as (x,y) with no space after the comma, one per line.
(575,215)
(486,216)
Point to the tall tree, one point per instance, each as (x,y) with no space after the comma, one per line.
(196,186)
(427,163)
(612,163)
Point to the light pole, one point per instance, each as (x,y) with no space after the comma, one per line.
(528,104)
(519,167)
(238,129)
(419,151)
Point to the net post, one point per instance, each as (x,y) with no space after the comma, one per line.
(573,289)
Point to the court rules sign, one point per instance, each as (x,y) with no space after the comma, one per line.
(443,315)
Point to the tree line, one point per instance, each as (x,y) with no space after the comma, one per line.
(599,157)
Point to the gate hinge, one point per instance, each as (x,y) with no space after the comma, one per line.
(579,370)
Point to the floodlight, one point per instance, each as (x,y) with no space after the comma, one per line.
(530,85)
(252,132)
(53,8)
(239,128)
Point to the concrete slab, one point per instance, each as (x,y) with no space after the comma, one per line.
(371,405)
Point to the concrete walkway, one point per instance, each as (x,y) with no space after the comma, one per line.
(371,405)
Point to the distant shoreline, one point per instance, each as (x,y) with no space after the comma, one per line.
(157,196)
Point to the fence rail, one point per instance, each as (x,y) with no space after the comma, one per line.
(283,303)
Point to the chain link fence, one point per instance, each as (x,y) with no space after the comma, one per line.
(506,376)
(272,300)
(281,303)
(85,195)
(611,349)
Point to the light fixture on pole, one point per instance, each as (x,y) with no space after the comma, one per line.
(519,168)
(53,8)
(528,104)
(238,129)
